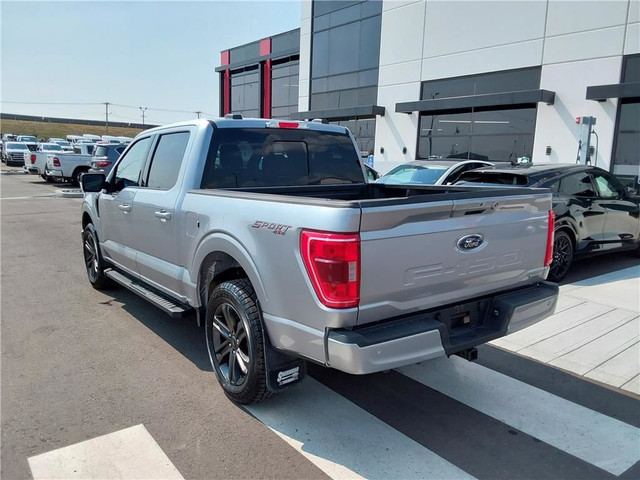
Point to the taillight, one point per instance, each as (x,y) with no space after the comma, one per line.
(56,162)
(33,158)
(548,257)
(332,261)
(102,163)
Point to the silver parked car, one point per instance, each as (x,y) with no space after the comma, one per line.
(431,172)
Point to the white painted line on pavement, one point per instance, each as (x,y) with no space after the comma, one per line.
(26,198)
(345,441)
(126,454)
(602,441)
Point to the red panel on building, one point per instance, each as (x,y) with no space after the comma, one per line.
(266,89)
(224,58)
(265,46)
(227,92)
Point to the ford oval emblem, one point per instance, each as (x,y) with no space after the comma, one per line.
(470,242)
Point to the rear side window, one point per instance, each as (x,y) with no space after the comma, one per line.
(242,157)
(167,159)
(577,185)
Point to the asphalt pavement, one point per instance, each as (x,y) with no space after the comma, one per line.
(103,385)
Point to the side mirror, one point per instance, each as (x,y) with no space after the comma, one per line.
(632,192)
(93,182)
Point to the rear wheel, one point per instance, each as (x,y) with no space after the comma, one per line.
(562,257)
(93,260)
(234,339)
(77,175)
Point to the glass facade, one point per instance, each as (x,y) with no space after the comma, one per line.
(245,92)
(345,51)
(284,89)
(488,133)
(626,158)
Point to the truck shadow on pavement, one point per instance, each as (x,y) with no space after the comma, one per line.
(595,266)
(183,334)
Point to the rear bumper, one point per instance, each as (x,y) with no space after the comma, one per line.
(435,333)
(55,173)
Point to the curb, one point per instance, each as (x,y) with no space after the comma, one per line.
(70,193)
(6,171)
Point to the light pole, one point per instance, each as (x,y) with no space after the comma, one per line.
(143,109)
(198,113)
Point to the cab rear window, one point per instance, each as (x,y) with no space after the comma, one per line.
(244,157)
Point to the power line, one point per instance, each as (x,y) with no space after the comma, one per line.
(53,103)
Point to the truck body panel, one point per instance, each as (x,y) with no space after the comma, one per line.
(434,261)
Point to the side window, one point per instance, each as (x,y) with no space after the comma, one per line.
(577,185)
(608,186)
(128,171)
(167,160)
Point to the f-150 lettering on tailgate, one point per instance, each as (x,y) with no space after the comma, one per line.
(463,267)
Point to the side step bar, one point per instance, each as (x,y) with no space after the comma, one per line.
(168,306)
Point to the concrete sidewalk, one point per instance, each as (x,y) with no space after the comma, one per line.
(595,332)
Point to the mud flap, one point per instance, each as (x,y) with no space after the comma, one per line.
(282,370)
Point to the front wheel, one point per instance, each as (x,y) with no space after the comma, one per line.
(233,330)
(93,260)
(562,257)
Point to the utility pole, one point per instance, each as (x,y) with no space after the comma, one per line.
(143,109)
(198,113)
(106,116)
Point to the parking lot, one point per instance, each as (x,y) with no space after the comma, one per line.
(109,370)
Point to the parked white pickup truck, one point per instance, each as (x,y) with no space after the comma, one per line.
(36,162)
(70,166)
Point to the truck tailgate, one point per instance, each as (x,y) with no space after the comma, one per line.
(424,255)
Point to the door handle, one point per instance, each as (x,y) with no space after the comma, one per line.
(163,215)
(125,208)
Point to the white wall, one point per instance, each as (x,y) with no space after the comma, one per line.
(555,124)
(305,57)
(577,43)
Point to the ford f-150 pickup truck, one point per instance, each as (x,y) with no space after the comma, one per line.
(269,230)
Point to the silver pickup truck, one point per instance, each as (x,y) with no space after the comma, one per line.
(270,232)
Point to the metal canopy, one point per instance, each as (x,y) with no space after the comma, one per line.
(350,113)
(484,100)
(600,93)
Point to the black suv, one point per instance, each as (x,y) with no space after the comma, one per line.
(594,212)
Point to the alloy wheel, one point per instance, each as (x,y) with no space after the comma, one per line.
(231,344)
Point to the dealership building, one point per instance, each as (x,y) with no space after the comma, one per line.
(552,81)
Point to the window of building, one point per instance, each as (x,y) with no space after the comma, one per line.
(167,160)
(488,133)
(363,131)
(245,92)
(626,158)
(345,53)
(284,89)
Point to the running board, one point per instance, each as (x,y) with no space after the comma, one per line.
(168,306)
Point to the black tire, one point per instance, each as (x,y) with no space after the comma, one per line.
(562,257)
(233,330)
(93,260)
(75,180)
